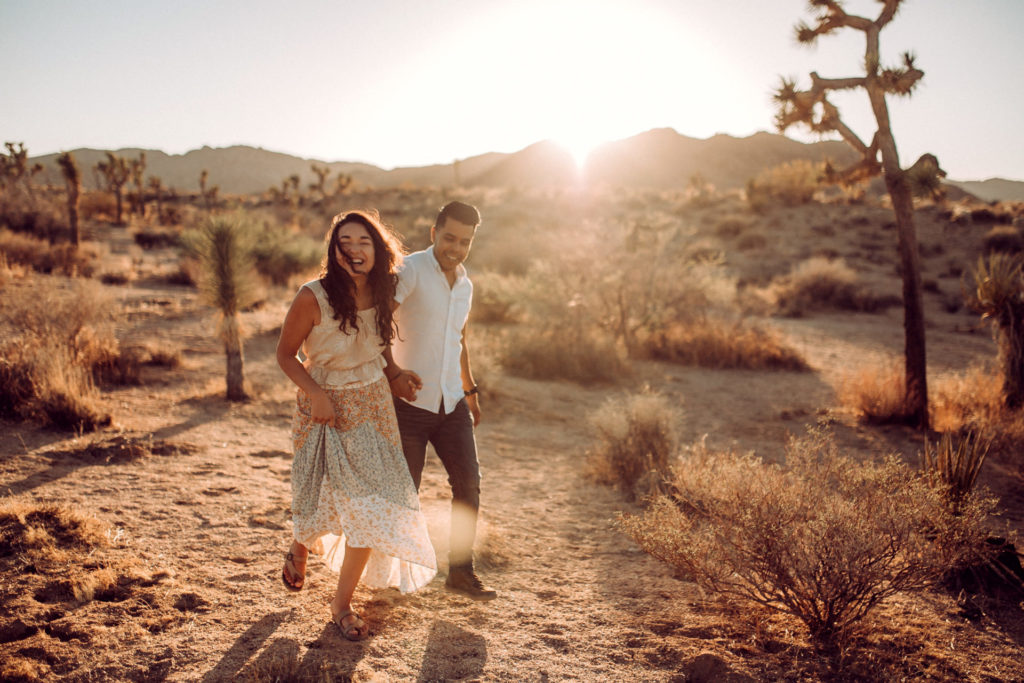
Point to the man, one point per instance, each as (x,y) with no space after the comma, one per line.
(443,407)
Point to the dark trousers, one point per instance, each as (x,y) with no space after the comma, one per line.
(453,439)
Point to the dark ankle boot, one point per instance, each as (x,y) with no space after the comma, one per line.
(464,580)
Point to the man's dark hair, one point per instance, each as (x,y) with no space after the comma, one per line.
(460,211)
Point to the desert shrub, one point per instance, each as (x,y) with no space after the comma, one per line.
(716,343)
(822,284)
(496,298)
(791,184)
(97,205)
(751,241)
(731,226)
(876,393)
(824,538)
(60,339)
(969,399)
(636,444)
(43,257)
(34,529)
(24,212)
(587,356)
(156,239)
(1003,238)
(281,254)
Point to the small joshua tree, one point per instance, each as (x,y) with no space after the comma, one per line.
(813,109)
(320,186)
(157,186)
(226,284)
(73,180)
(115,172)
(138,169)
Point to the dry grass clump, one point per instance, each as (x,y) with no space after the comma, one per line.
(876,393)
(972,398)
(821,283)
(30,530)
(824,538)
(791,184)
(60,339)
(587,357)
(637,444)
(716,343)
(43,257)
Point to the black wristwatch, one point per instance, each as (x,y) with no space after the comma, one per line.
(472,391)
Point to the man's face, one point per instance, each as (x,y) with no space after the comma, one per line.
(452,243)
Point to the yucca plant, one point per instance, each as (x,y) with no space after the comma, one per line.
(227,283)
(954,465)
(999,297)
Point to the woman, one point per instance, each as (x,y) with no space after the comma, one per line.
(351,486)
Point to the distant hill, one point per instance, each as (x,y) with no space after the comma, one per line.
(993,189)
(659,158)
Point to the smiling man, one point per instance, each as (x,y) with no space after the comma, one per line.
(435,295)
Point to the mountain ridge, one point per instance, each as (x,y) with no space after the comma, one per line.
(659,158)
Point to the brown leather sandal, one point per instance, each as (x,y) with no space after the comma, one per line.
(356,629)
(294,586)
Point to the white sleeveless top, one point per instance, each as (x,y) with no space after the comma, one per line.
(335,358)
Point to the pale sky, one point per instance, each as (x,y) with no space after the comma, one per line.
(416,82)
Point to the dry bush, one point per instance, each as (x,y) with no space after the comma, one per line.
(730,227)
(44,257)
(156,239)
(496,298)
(24,212)
(1003,238)
(60,339)
(824,538)
(585,356)
(825,284)
(791,184)
(636,444)
(752,241)
(97,205)
(972,398)
(716,343)
(876,393)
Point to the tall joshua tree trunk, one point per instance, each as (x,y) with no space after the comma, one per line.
(812,109)
(73,180)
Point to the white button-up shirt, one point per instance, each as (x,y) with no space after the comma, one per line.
(430,321)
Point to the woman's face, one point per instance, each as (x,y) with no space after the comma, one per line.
(353,249)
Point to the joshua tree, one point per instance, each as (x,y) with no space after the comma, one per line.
(157,186)
(320,185)
(227,285)
(999,296)
(115,172)
(341,183)
(813,109)
(73,180)
(138,168)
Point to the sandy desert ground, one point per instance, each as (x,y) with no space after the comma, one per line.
(193,494)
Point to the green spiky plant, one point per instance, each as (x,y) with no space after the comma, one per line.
(999,296)
(812,109)
(227,283)
(73,180)
(115,171)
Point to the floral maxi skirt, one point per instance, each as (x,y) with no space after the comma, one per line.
(350,482)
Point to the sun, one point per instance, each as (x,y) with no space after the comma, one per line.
(579,146)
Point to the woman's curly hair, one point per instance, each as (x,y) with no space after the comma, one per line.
(382,278)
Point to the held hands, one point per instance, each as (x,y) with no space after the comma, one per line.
(406,384)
